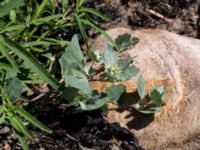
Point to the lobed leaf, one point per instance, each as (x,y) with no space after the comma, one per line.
(127,73)
(114,92)
(13,89)
(98,103)
(72,65)
(156,95)
(125,42)
(110,57)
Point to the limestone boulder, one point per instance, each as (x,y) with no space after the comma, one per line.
(164,59)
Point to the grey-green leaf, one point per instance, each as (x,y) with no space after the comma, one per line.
(95,105)
(114,92)
(156,95)
(110,57)
(128,73)
(72,55)
(79,83)
(125,41)
(13,88)
(141,86)
(72,65)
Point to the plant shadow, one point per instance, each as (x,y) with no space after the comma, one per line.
(139,120)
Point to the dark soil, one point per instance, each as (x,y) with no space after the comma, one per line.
(178,16)
(72,131)
(90,130)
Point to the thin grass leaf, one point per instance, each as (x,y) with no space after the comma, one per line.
(1,109)
(40,8)
(2,118)
(5,9)
(36,66)
(32,120)
(43,20)
(5,52)
(23,141)
(38,43)
(2,114)
(52,40)
(86,22)
(6,67)
(52,6)
(13,28)
(82,30)
(95,12)
(79,3)
(65,4)
(18,125)
(19,134)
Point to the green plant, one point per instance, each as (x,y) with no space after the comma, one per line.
(10,91)
(156,97)
(32,24)
(74,73)
(83,16)
(32,59)
(76,77)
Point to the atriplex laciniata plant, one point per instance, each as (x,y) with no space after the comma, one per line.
(38,28)
(77,74)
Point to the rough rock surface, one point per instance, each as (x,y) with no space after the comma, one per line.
(165,59)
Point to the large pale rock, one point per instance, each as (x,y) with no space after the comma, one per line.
(164,59)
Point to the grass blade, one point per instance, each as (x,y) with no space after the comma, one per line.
(5,52)
(20,135)
(18,125)
(37,67)
(22,141)
(79,3)
(82,30)
(13,28)
(32,120)
(43,20)
(40,8)
(95,12)
(86,22)
(5,66)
